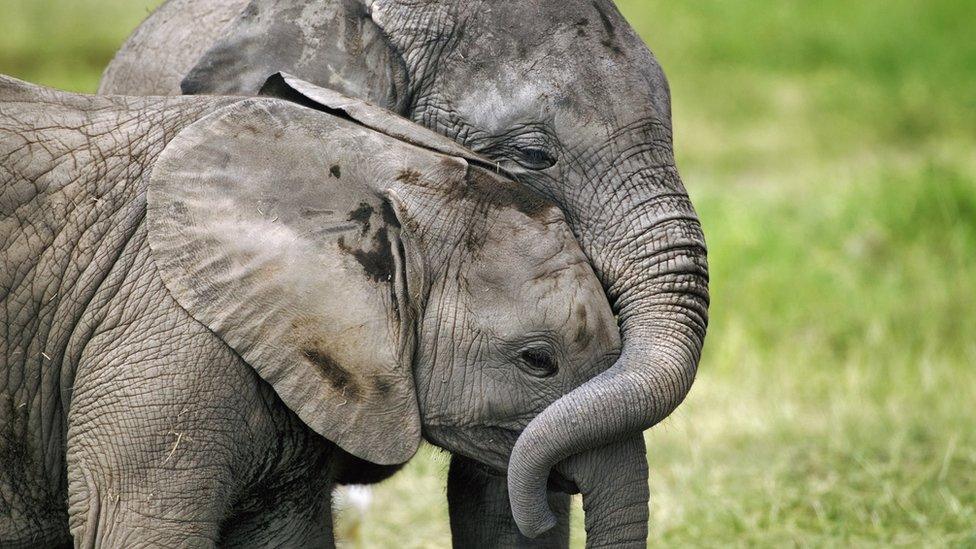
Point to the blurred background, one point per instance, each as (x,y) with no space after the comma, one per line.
(830,148)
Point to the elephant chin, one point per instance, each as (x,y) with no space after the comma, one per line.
(613,481)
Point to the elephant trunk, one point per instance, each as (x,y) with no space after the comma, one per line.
(613,481)
(657,278)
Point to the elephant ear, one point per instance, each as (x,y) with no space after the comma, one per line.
(335,43)
(286,86)
(270,223)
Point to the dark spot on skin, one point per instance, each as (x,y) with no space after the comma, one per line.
(605,19)
(383,386)
(409,176)
(611,41)
(376,262)
(308,213)
(583,336)
(251,11)
(361,216)
(338,377)
(389,216)
(581,26)
(336,171)
(474,240)
(325,231)
(612,47)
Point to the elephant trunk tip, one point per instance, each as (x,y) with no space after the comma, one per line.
(526,491)
(539,525)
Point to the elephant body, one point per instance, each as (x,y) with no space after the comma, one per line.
(132,416)
(567,99)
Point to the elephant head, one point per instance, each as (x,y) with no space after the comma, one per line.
(378,276)
(567,98)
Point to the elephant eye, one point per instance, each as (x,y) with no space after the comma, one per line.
(529,146)
(538,362)
(534,158)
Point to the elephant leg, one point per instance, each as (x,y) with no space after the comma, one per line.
(138,473)
(481,515)
(184,450)
(167,428)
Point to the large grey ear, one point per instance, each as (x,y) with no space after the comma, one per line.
(276,227)
(285,86)
(332,42)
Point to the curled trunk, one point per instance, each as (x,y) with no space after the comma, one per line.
(656,273)
(613,481)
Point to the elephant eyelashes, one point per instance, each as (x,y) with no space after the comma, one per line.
(535,159)
(532,150)
(538,362)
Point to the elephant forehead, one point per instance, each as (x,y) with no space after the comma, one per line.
(574,59)
(514,240)
(532,268)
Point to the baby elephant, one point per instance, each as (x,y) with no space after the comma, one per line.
(213,308)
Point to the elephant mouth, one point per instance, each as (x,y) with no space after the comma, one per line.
(489,446)
(559,483)
(556,483)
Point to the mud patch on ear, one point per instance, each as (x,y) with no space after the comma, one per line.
(605,19)
(338,377)
(389,216)
(361,216)
(409,176)
(377,262)
(581,25)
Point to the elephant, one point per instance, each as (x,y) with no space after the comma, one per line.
(217,307)
(568,99)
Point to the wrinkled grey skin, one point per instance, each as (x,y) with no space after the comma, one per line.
(564,95)
(139,402)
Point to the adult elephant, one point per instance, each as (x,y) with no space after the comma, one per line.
(562,94)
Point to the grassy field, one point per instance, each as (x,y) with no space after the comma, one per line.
(830,148)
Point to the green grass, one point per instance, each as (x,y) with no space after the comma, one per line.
(65,43)
(829,147)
